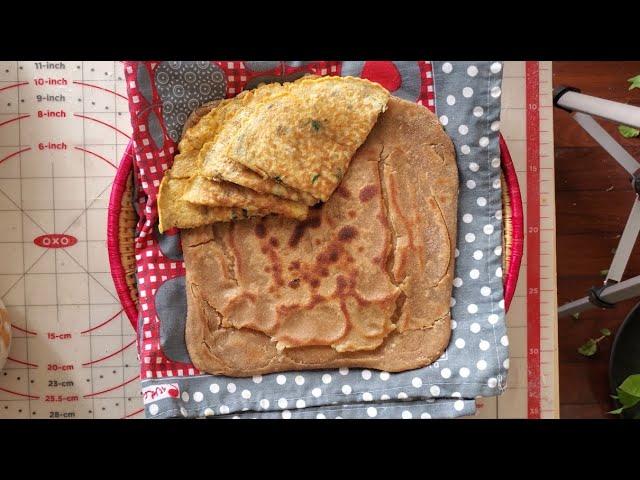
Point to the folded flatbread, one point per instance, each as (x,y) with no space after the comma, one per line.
(304,134)
(183,180)
(232,185)
(214,193)
(175,212)
(200,137)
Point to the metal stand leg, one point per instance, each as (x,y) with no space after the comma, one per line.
(614,290)
(607,142)
(612,294)
(625,245)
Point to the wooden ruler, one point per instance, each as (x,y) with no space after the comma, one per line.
(532,215)
(545,395)
(527,126)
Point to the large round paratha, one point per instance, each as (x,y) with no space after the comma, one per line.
(364,281)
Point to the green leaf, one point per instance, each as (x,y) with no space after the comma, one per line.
(634,81)
(615,397)
(628,132)
(626,399)
(605,331)
(589,348)
(617,411)
(604,272)
(315,178)
(316,125)
(576,315)
(631,385)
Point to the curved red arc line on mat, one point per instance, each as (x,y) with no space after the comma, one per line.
(99,88)
(111,389)
(14,154)
(108,356)
(23,330)
(97,155)
(14,86)
(14,119)
(19,394)
(101,122)
(23,363)
(134,413)
(103,323)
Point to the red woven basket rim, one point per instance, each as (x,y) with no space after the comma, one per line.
(113,241)
(510,277)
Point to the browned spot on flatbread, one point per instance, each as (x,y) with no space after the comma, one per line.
(330,255)
(348,233)
(341,285)
(343,192)
(260,230)
(368,192)
(276,267)
(301,227)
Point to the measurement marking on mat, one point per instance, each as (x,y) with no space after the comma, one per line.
(49,65)
(56,383)
(50,81)
(61,398)
(58,336)
(62,414)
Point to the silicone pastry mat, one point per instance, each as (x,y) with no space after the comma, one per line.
(63,128)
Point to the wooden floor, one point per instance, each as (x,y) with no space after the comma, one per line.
(593,199)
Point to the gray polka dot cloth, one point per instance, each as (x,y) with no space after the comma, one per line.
(467,102)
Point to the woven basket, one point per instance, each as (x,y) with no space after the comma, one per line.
(122,222)
(121,229)
(512,224)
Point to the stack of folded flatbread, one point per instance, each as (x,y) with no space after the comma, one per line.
(279,148)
